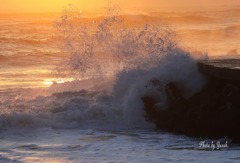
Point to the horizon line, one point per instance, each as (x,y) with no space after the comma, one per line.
(194,7)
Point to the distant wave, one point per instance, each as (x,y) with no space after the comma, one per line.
(152,17)
(25,40)
(189,19)
(2,57)
(233,28)
(229,32)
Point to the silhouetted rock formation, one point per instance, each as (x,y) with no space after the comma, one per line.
(214,112)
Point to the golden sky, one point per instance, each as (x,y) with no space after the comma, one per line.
(26,6)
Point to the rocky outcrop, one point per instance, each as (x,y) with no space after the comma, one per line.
(227,69)
(214,112)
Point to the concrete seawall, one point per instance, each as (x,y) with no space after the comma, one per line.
(212,112)
(228,69)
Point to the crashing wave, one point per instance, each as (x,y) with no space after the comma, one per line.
(124,57)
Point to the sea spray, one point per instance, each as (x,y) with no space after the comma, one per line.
(109,44)
(133,54)
(108,52)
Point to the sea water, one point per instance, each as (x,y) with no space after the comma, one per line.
(71,85)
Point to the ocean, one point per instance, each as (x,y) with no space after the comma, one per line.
(71,84)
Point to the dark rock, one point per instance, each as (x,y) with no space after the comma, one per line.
(214,112)
(149,105)
(172,92)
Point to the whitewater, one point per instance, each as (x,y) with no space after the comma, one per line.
(75,96)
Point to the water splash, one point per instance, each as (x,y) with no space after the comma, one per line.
(106,44)
(110,52)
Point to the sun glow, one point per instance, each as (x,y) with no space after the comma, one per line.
(38,6)
(46,82)
(49,82)
(33,6)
